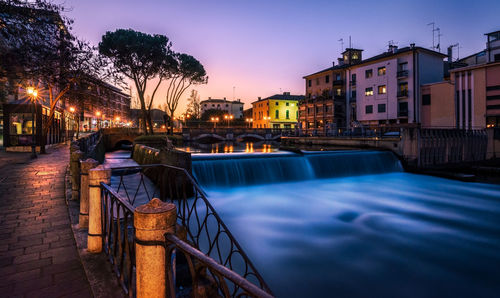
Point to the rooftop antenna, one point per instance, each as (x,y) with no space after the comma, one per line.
(433,30)
(438,47)
(341,44)
(350,45)
(234,88)
(280,90)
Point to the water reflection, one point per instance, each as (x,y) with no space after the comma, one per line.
(231,147)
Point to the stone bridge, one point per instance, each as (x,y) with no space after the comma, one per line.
(231,134)
(114,137)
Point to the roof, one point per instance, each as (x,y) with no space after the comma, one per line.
(492,32)
(380,56)
(215,100)
(398,52)
(494,63)
(282,97)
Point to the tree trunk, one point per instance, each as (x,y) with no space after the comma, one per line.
(150,122)
(144,113)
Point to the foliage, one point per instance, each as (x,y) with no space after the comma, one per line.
(208,114)
(141,57)
(194,107)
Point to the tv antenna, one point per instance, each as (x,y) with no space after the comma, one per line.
(438,47)
(433,30)
(234,90)
(341,44)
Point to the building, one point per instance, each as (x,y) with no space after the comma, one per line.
(324,106)
(279,111)
(471,97)
(158,118)
(386,87)
(234,108)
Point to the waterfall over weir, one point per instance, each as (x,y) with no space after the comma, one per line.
(229,170)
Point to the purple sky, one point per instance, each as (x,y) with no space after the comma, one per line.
(262,47)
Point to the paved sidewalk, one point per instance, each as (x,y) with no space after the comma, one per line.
(38,255)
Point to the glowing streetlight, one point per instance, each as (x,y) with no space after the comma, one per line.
(72,110)
(32,94)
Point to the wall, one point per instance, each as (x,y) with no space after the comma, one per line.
(441,111)
(281,107)
(318,83)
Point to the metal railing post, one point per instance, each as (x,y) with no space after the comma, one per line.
(151,222)
(96,176)
(85,165)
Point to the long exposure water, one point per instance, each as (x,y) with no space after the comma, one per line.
(356,225)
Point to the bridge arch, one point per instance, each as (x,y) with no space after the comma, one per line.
(208,137)
(250,136)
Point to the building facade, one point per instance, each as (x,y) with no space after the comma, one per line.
(386,87)
(325,107)
(234,108)
(279,111)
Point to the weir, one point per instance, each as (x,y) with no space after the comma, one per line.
(229,170)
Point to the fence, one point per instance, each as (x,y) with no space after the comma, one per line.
(214,260)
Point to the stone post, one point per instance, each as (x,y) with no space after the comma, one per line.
(74,168)
(96,176)
(151,222)
(85,166)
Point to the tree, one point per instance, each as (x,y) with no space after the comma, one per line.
(187,72)
(213,113)
(42,52)
(194,107)
(140,57)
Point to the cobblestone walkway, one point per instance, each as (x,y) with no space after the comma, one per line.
(38,255)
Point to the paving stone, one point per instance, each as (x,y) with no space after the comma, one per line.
(38,254)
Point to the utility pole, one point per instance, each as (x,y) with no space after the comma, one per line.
(234,90)
(439,39)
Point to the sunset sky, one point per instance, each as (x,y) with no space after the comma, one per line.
(262,47)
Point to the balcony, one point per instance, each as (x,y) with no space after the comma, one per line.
(339,96)
(338,82)
(402,74)
(402,114)
(402,93)
(353,83)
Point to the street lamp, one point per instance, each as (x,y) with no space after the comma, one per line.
(32,94)
(98,115)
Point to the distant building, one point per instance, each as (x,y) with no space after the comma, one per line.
(158,117)
(234,108)
(279,111)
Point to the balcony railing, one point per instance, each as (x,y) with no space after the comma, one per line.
(403,114)
(338,82)
(403,93)
(402,74)
(353,83)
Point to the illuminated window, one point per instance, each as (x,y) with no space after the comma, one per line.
(382,89)
(369,91)
(368,73)
(369,109)
(381,71)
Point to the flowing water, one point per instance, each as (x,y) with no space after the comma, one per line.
(353,224)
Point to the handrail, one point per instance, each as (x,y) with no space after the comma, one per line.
(221,272)
(193,210)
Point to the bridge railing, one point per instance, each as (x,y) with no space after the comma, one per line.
(204,229)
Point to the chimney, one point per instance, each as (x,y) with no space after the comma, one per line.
(259,98)
(209,98)
(392,49)
(224,98)
(333,63)
(450,54)
(286,93)
(412,45)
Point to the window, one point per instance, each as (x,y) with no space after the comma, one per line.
(287,114)
(403,109)
(369,109)
(497,57)
(426,99)
(277,103)
(368,73)
(381,71)
(353,77)
(403,66)
(338,77)
(287,104)
(381,108)
(277,114)
(353,94)
(309,83)
(327,79)
(317,109)
(382,89)
(369,91)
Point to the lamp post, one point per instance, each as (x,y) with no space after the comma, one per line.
(98,115)
(117,121)
(33,94)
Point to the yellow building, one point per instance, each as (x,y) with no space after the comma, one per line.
(277,111)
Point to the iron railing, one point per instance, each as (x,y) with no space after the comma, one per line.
(204,272)
(118,236)
(136,185)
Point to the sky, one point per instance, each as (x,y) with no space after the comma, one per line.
(260,48)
